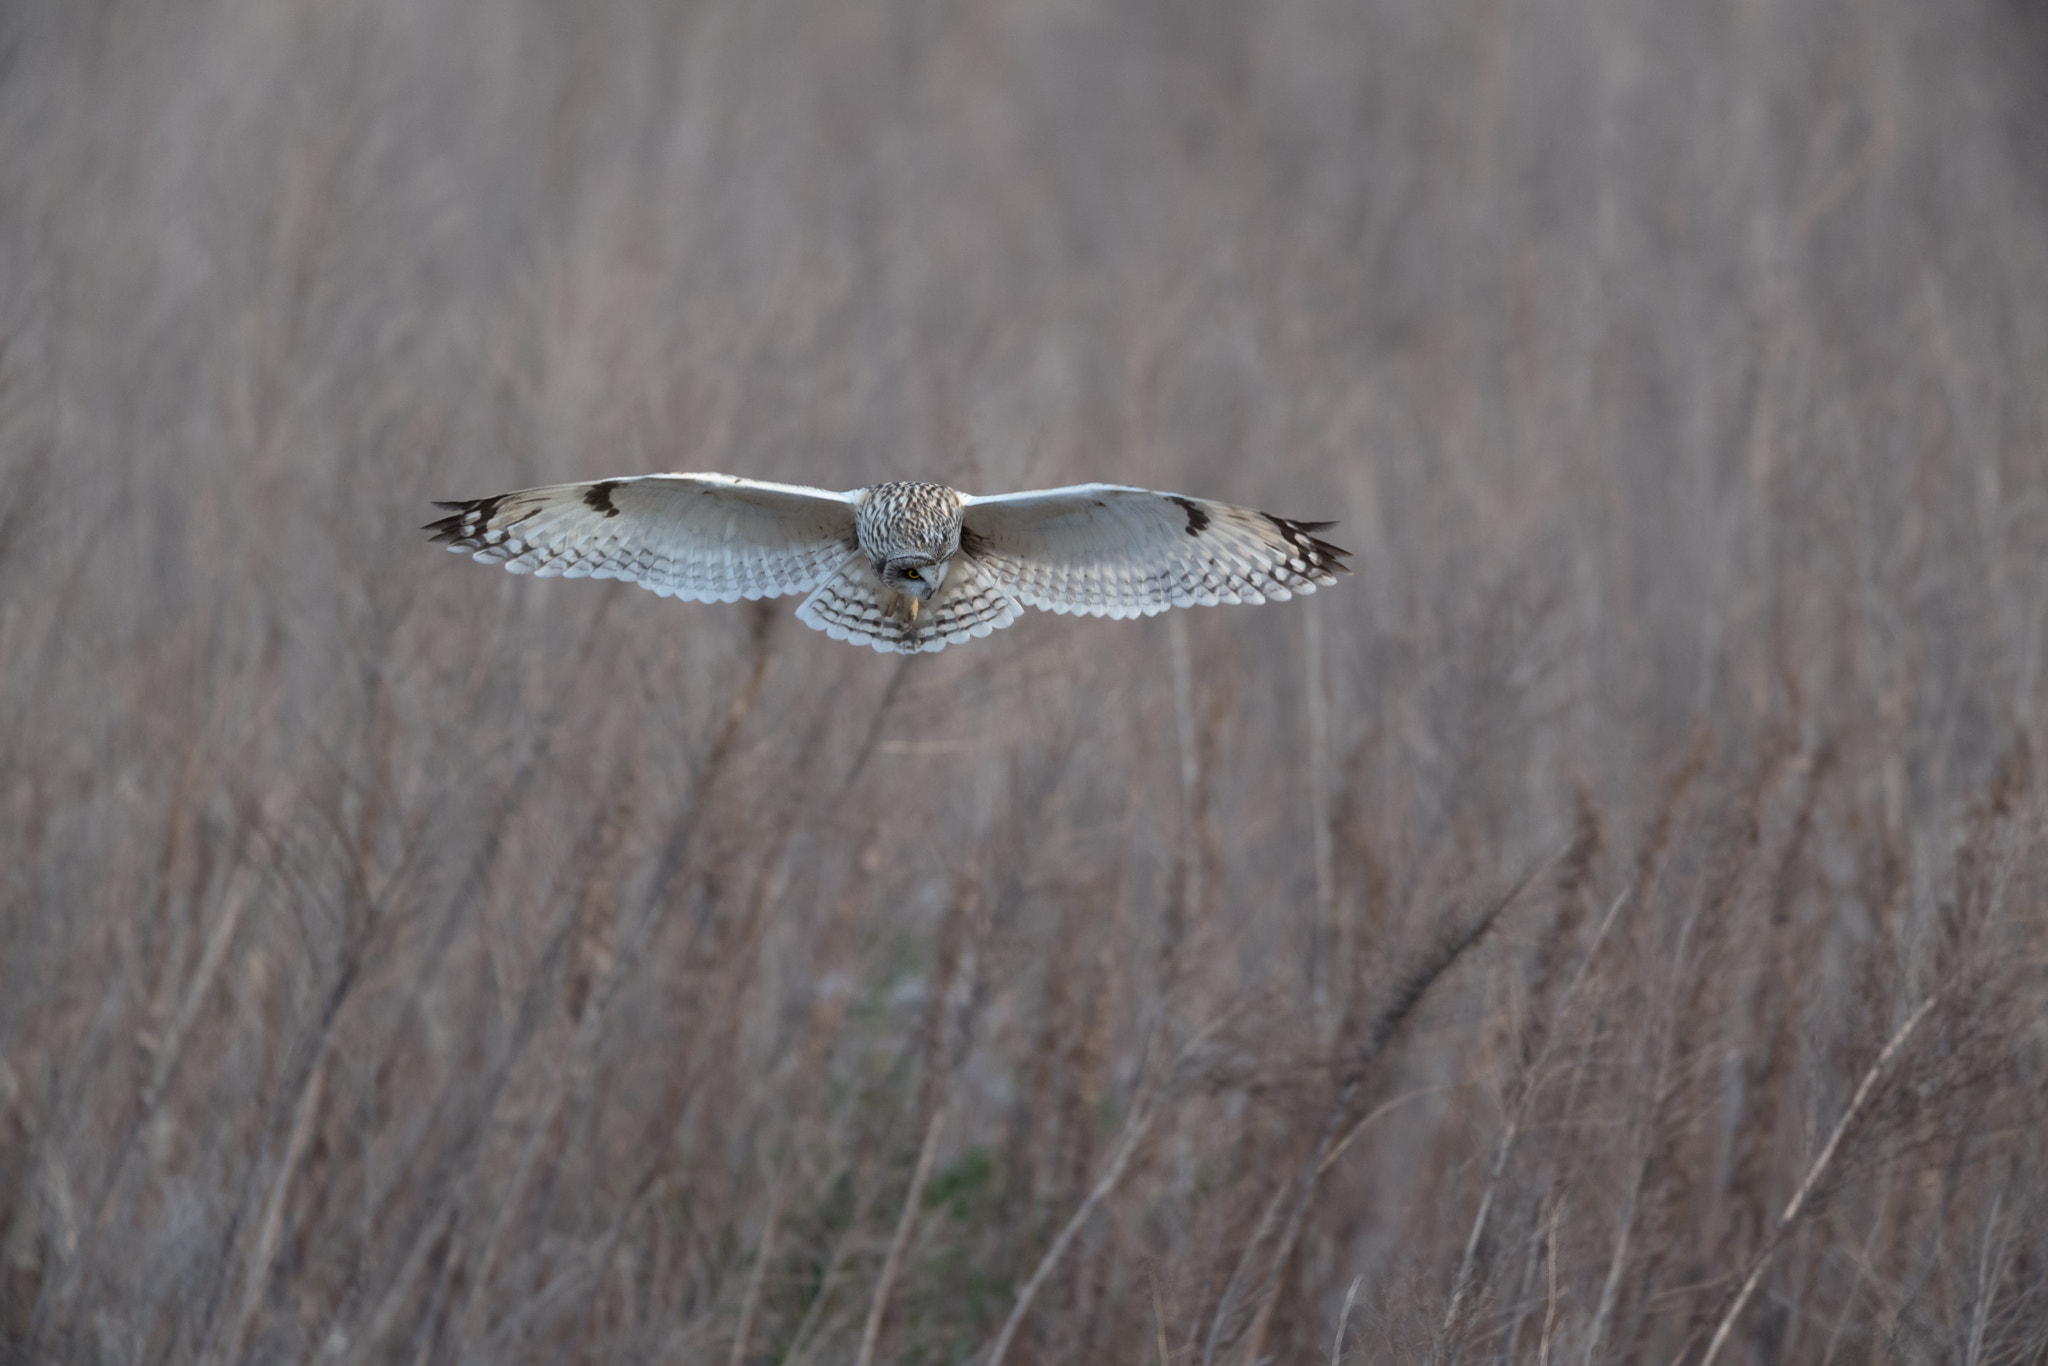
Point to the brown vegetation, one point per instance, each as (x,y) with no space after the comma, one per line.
(1610,927)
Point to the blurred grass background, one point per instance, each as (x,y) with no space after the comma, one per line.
(404,962)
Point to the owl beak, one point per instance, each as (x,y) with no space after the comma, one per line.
(914,604)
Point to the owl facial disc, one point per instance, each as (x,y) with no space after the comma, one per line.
(916,576)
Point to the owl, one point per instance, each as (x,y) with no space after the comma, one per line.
(903,567)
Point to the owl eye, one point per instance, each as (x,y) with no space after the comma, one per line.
(910,573)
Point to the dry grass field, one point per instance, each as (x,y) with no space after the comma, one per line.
(1610,927)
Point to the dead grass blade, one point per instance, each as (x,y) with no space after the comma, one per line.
(1407,998)
(1797,1204)
(1120,1157)
(905,1221)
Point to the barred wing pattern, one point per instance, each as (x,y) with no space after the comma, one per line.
(699,537)
(1109,550)
(853,605)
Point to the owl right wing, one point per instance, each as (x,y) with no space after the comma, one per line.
(700,537)
(1109,550)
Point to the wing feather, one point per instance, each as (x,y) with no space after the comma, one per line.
(853,605)
(1116,551)
(700,537)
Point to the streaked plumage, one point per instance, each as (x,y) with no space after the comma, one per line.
(902,567)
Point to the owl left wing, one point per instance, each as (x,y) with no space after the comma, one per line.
(1109,550)
(700,537)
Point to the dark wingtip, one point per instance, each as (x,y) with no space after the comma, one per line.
(464,519)
(1318,552)
(1333,556)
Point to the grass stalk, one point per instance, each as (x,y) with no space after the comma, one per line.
(905,1222)
(751,1299)
(1797,1204)
(1120,1157)
(1406,1000)
(1344,1322)
(256,1282)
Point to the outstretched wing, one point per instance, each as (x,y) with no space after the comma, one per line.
(1108,550)
(700,537)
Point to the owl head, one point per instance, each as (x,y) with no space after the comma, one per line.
(913,573)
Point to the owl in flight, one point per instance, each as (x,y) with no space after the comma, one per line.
(902,567)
